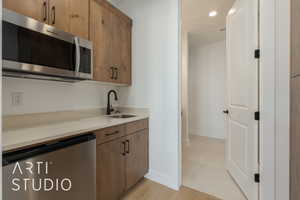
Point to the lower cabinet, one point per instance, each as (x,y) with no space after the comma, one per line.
(110,170)
(121,162)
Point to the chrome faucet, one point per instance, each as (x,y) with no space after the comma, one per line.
(109,106)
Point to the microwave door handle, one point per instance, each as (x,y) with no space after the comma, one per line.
(77,64)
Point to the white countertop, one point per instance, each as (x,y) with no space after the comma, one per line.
(28,130)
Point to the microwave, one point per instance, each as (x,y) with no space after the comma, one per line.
(31,49)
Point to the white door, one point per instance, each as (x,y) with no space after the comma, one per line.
(243,89)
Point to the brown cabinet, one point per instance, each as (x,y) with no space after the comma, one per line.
(295,37)
(79,17)
(110,170)
(59,14)
(122,160)
(295,138)
(137,157)
(68,15)
(36,9)
(110,31)
(295,102)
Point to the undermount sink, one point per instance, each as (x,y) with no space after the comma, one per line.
(123,116)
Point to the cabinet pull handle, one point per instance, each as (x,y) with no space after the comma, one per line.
(45,11)
(112,72)
(113,133)
(124,148)
(74,16)
(117,73)
(128,147)
(53,15)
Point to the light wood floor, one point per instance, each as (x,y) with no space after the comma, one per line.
(148,190)
(204,168)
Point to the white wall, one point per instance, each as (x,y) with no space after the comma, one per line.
(49,96)
(207,89)
(156,80)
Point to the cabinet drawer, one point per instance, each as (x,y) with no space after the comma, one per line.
(133,127)
(108,134)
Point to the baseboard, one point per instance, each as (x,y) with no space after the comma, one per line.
(163,179)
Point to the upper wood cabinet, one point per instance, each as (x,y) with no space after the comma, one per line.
(110,31)
(68,15)
(79,17)
(36,9)
(59,14)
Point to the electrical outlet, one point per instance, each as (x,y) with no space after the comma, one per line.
(16,98)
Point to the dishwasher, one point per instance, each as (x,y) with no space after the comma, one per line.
(63,170)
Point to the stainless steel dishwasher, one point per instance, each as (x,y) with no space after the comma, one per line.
(65,170)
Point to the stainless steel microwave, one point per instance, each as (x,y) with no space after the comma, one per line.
(32,49)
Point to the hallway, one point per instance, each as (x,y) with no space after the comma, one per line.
(204,168)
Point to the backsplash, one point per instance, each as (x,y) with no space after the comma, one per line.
(36,96)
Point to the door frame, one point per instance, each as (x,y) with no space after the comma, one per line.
(274,99)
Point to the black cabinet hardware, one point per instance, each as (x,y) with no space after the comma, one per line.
(128,146)
(114,133)
(53,15)
(45,11)
(124,148)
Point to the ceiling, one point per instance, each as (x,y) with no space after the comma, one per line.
(200,26)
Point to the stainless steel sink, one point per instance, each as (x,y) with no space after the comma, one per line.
(122,116)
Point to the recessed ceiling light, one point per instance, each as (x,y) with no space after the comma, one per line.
(232,11)
(213,13)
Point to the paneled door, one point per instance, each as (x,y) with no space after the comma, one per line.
(243,98)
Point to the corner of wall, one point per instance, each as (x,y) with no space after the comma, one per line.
(163,179)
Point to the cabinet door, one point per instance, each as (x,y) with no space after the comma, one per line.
(36,9)
(59,15)
(121,44)
(295,36)
(110,170)
(125,53)
(101,35)
(110,31)
(79,14)
(295,138)
(116,48)
(137,157)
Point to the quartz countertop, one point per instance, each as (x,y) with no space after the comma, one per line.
(21,131)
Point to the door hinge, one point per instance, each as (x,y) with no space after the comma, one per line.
(257,53)
(257,116)
(257,178)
